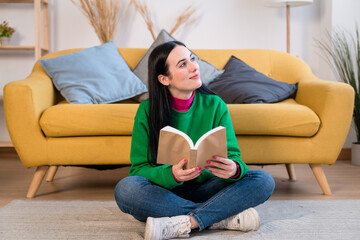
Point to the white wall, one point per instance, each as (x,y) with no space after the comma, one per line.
(223,24)
(346,15)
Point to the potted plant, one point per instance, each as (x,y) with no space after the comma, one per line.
(5,33)
(342,51)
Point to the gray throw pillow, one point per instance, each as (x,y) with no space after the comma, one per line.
(241,83)
(208,72)
(95,75)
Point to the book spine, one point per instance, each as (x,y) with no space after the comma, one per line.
(192,160)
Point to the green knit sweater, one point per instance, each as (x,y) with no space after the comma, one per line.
(206,112)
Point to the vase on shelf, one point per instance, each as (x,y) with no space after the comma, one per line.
(4,41)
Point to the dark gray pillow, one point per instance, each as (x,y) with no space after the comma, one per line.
(208,72)
(241,83)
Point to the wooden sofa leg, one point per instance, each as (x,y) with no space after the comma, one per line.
(321,178)
(51,173)
(291,171)
(36,181)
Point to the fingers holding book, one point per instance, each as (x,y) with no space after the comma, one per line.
(219,166)
(181,174)
(222,167)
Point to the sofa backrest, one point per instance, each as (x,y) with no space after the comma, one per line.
(275,64)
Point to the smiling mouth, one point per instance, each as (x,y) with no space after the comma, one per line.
(196,76)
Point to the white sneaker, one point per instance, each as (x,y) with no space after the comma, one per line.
(245,221)
(167,227)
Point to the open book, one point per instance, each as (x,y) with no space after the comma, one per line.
(175,145)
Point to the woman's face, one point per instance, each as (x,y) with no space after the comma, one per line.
(184,74)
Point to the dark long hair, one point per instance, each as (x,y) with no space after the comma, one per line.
(159,96)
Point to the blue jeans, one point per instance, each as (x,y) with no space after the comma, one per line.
(208,202)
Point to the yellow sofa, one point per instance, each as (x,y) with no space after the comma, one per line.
(311,129)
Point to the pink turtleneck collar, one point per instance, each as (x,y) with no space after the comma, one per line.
(182,105)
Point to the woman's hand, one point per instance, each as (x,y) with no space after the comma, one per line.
(184,175)
(222,167)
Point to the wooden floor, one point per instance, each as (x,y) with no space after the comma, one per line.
(76,183)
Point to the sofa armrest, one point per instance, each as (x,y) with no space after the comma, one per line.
(333,102)
(24,102)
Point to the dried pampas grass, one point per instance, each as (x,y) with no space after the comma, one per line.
(103,16)
(186,18)
(143,10)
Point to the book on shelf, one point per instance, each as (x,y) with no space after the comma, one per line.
(175,145)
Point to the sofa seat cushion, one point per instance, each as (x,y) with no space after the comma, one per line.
(286,118)
(66,120)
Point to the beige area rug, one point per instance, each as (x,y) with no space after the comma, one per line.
(280,219)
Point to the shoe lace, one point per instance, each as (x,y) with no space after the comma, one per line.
(175,229)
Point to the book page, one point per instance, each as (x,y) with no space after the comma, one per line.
(173,146)
(213,144)
(207,134)
(184,135)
